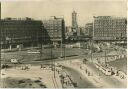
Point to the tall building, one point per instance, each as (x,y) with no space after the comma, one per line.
(20,32)
(55,28)
(88,29)
(0,34)
(81,30)
(68,31)
(0,10)
(74,23)
(109,28)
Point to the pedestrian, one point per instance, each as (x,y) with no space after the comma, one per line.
(80,77)
(26,67)
(41,66)
(21,67)
(29,65)
(86,71)
(58,71)
(81,67)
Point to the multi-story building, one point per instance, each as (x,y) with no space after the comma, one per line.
(20,32)
(0,10)
(68,31)
(55,28)
(109,28)
(0,35)
(88,29)
(74,23)
(81,30)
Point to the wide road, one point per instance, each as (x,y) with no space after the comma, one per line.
(110,80)
(79,79)
(84,82)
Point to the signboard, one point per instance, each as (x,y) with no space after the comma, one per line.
(14,61)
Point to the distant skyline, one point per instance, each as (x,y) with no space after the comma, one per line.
(45,9)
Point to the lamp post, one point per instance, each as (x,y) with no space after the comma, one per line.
(105,57)
(64,52)
(61,48)
(53,61)
(91,44)
(105,53)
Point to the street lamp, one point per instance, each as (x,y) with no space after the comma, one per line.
(91,44)
(53,61)
(61,48)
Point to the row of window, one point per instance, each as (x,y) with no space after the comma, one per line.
(110,32)
(108,35)
(110,29)
(110,25)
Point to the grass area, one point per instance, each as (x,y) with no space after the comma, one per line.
(23,83)
(23,56)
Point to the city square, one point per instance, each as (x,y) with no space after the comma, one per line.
(62,50)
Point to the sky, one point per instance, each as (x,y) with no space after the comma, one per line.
(63,8)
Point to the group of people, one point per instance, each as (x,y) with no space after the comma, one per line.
(25,67)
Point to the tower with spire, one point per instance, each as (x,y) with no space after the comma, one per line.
(74,22)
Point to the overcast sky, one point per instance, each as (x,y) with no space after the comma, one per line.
(45,9)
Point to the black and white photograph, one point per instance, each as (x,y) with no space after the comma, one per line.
(63,44)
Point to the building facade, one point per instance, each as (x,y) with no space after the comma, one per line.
(74,23)
(55,28)
(20,32)
(109,28)
(88,29)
